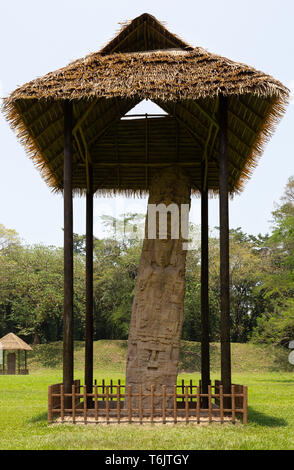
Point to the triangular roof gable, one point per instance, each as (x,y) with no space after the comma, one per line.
(144,33)
(13,342)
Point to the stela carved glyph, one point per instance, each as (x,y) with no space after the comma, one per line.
(158,306)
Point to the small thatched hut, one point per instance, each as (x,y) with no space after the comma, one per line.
(12,362)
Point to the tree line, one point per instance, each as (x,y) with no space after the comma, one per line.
(261,273)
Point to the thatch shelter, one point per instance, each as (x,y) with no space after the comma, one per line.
(220,115)
(12,344)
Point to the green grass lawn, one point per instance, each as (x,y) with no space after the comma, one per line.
(23,415)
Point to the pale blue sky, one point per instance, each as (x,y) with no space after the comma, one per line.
(40,36)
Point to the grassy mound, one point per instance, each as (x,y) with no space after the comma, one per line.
(111,354)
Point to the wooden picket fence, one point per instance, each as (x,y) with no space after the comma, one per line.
(105,404)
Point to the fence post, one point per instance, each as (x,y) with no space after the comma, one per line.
(175,404)
(209,404)
(96,401)
(198,404)
(140,404)
(163,404)
(50,404)
(62,402)
(107,404)
(73,403)
(152,403)
(233,404)
(245,404)
(186,404)
(221,402)
(191,390)
(130,402)
(118,402)
(85,404)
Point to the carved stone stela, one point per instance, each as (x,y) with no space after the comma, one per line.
(158,306)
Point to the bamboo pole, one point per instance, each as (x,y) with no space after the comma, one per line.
(68,252)
(224,251)
(205,358)
(89,290)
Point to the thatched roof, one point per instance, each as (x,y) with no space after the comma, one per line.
(13,342)
(145,61)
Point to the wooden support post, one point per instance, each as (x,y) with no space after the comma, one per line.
(50,404)
(25,353)
(68,253)
(224,251)
(89,290)
(205,359)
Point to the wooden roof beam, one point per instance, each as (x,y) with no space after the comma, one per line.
(84,116)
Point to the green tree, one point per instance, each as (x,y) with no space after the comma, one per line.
(277,323)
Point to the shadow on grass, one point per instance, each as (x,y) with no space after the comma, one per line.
(265,420)
(40,418)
